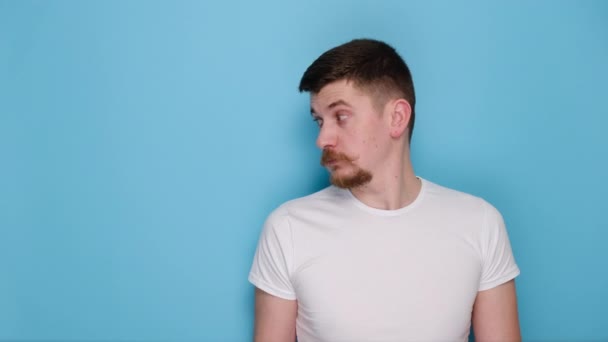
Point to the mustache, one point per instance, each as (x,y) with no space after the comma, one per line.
(330,156)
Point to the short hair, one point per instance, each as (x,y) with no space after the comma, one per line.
(371,64)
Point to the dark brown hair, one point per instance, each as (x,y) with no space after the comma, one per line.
(371,64)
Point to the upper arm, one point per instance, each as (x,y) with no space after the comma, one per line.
(275,318)
(495,314)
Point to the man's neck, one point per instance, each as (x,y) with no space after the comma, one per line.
(396,188)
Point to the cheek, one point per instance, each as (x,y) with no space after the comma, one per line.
(371,143)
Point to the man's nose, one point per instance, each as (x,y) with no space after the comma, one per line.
(327,138)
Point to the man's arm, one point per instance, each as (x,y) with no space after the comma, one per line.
(495,314)
(275,318)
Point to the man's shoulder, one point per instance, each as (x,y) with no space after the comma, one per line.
(460,209)
(455,199)
(325,199)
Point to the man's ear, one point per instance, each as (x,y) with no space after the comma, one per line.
(400,114)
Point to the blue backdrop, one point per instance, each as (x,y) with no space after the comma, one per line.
(143,143)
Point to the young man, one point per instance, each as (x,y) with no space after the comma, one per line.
(381,255)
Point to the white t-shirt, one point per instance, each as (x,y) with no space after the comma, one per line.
(365,274)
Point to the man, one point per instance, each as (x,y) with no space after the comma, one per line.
(381,255)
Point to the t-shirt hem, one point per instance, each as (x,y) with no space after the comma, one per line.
(499,281)
(262,285)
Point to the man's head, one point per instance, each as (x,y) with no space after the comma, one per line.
(361,92)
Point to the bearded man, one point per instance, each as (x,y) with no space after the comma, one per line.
(381,254)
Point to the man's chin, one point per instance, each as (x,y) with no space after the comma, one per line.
(350,181)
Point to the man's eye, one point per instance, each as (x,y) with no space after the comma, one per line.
(342,117)
(318,121)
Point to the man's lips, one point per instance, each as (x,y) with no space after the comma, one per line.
(331,158)
(333,164)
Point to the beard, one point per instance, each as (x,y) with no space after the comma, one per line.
(354,179)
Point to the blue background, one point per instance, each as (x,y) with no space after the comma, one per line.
(142,145)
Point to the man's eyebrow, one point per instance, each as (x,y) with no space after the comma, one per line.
(338,103)
(331,105)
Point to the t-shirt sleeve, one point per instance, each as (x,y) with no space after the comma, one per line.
(498,264)
(273,260)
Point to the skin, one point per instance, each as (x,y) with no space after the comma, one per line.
(375,139)
(495,314)
(275,318)
(350,123)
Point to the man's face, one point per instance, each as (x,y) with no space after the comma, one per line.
(352,133)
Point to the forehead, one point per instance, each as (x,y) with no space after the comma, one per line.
(337,92)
